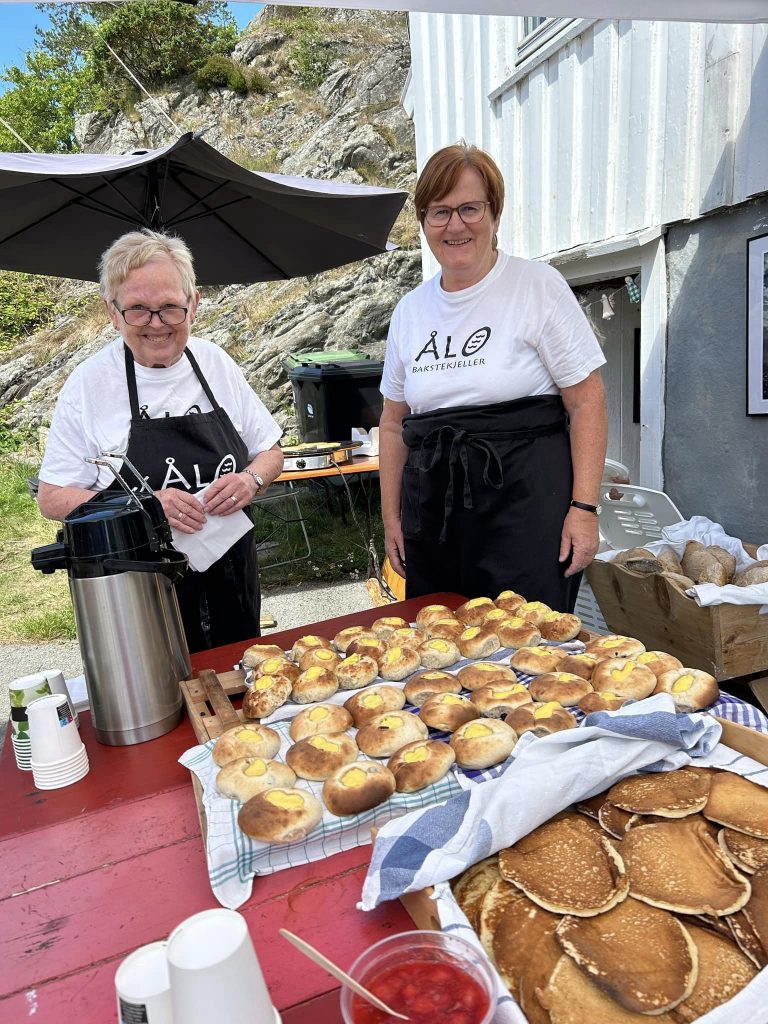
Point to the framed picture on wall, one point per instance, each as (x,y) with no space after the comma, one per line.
(757,326)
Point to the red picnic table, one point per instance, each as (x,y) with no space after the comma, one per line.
(93,871)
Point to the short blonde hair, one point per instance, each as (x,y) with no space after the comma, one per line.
(137,248)
(442,171)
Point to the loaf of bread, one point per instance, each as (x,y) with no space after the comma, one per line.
(705,564)
(755,574)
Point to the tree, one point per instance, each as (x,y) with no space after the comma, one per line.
(42,103)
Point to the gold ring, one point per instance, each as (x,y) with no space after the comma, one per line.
(181,516)
(233,499)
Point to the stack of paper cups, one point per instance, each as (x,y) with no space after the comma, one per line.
(143,989)
(59,757)
(22,692)
(58,684)
(214,972)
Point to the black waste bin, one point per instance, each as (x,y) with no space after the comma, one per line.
(334,392)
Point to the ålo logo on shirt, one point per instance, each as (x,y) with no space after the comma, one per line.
(473,344)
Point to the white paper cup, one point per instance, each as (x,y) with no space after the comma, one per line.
(58,684)
(143,989)
(22,753)
(214,972)
(52,731)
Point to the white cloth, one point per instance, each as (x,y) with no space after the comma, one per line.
(219,533)
(93,411)
(519,332)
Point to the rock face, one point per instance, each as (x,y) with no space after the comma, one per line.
(351,127)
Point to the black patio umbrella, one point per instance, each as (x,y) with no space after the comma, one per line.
(58,213)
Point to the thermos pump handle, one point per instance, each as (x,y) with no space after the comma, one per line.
(173,566)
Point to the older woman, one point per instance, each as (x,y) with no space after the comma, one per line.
(493,432)
(185,416)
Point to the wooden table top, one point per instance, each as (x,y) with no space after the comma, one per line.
(95,870)
(357,464)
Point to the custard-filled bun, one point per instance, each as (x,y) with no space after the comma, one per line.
(247,776)
(406,636)
(541,719)
(564,687)
(246,740)
(281,666)
(280,815)
(254,655)
(445,629)
(579,665)
(438,653)
(427,684)
(690,688)
(509,601)
(319,721)
(559,626)
(615,646)
(495,700)
(368,648)
(314,685)
(307,643)
(267,694)
(398,663)
(472,677)
(493,617)
(358,787)
(432,611)
(387,732)
(477,642)
(317,757)
(387,624)
(518,632)
(356,671)
(472,612)
(322,657)
(344,637)
(447,711)
(536,661)
(483,743)
(624,677)
(659,662)
(365,705)
(603,701)
(420,764)
(534,611)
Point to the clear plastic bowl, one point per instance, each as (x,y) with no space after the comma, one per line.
(416,947)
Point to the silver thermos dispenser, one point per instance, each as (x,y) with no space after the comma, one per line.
(117,551)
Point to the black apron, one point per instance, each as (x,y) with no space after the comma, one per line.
(485,492)
(223,604)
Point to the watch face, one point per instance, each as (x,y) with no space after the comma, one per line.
(598,510)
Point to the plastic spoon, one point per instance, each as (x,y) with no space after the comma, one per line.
(313,954)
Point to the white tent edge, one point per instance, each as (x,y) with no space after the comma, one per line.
(727,11)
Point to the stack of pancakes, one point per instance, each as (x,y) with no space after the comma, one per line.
(649,900)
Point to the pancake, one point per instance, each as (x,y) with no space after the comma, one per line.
(677,865)
(756,911)
(615,820)
(471,886)
(639,955)
(517,932)
(535,972)
(501,896)
(743,934)
(723,971)
(571,998)
(667,794)
(566,870)
(747,852)
(591,806)
(738,803)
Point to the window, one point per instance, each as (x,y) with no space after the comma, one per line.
(537,31)
(529,24)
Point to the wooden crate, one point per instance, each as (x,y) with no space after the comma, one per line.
(208,702)
(727,640)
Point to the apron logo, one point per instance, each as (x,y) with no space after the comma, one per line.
(227,465)
(473,344)
(476,341)
(173,476)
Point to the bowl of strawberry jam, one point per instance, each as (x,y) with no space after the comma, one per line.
(431,977)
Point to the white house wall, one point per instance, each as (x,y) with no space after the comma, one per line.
(610,128)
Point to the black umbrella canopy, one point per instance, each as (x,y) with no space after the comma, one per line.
(58,213)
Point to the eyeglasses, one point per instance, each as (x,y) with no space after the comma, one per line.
(171,316)
(470,213)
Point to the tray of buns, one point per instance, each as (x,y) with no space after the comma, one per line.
(340,734)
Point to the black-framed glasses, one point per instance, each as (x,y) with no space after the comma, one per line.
(171,316)
(470,213)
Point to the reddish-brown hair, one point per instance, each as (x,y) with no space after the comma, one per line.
(444,168)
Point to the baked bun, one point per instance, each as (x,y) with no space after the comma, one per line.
(355,671)
(518,632)
(314,685)
(658,662)
(541,719)
(344,637)
(445,629)
(533,611)
(245,740)
(320,656)
(281,666)
(385,626)
(447,711)
(427,684)
(603,701)
(398,662)
(432,611)
(253,656)
(476,642)
(615,646)
(247,776)
(438,653)
(317,757)
(319,721)
(493,617)
(690,688)
(472,677)
(386,733)
(497,699)
(368,648)
(483,743)
(579,665)
(308,643)
(564,687)
(358,787)
(509,601)
(406,636)
(420,764)
(472,612)
(375,700)
(624,677)
(559,626)
(280,815)
(267,694)
(536,661)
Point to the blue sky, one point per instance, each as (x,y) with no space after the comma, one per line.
(18,22)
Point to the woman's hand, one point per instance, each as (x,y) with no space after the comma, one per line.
(580,540)
(182,509)
(230,493)
(394,546)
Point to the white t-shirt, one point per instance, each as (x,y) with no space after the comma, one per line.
(519,332)
(93,412)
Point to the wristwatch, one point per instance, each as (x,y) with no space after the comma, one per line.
(594,509)
(259,480)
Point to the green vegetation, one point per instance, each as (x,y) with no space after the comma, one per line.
(28,302)
(220,72)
